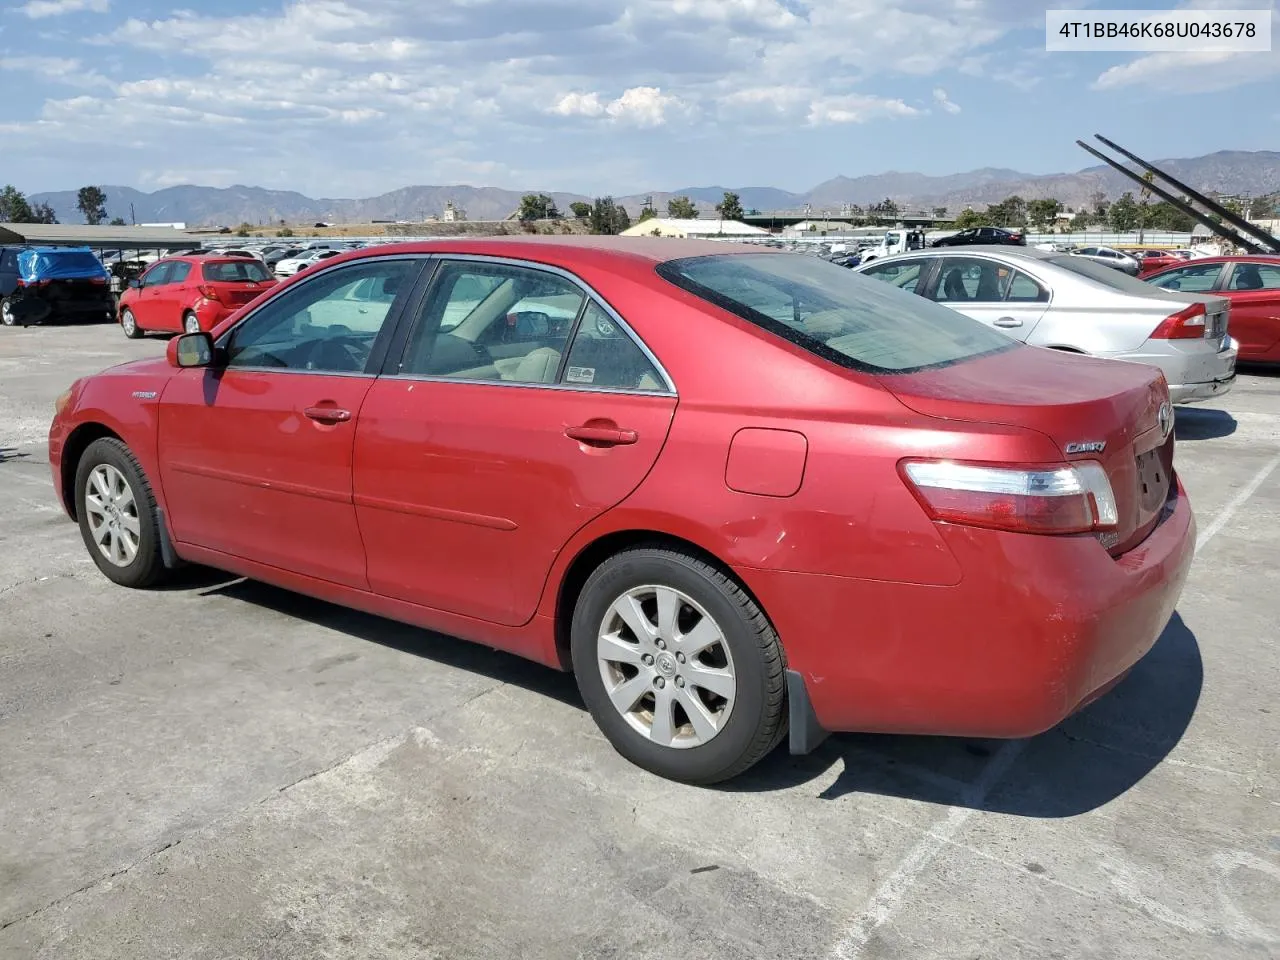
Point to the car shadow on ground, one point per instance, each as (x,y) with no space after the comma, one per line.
(1083,763)
(1203,423)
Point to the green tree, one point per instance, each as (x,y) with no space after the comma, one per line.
(939,213)
(92,202)
(1123,214)
(730,208)
(244,229)
(1165,216)
(647,212)
(43,213)
(1009,212)
(538,206)
(681,208)
(1043,213)
(284,232)
(14,207)
(621,219)
(604,216)
(118,222)
(971,218)
(581,209)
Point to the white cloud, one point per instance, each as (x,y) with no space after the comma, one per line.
(268,92)
(640,106)
(856,108)
(944,102)
(38,9)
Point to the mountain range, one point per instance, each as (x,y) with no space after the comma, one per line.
(1226,172)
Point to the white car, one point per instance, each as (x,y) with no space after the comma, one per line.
(287,268)
(1070,303)
(1110,257)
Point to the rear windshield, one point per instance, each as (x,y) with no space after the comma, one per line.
(1108,276)
(235,271)
(855,321)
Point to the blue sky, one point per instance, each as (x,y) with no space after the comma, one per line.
(344,98)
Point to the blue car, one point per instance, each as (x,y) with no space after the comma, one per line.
(38,284)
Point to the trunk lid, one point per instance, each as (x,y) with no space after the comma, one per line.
(1111,411)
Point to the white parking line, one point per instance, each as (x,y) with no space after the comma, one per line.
(898,884)
(1236,502)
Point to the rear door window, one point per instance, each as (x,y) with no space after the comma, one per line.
(1254,276)
(845,318)
(178,271)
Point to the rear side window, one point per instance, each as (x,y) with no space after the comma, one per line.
(851,320)
(238,271)
(178,271)
(1255,276)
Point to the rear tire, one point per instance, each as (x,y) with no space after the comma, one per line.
(117,512)
(190,323)
(681,670)
(129,324)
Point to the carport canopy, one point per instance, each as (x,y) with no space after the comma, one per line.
(98,238)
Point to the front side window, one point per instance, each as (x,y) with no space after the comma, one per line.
(834,313)
(1194,278)
(491,321)
(905,275)
(158,274)
(327,324)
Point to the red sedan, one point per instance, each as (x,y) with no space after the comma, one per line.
(1251,283)
(1149,261)
(190,293)
(735,491)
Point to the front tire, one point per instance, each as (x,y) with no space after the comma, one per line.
(117,513)
(680,668)
(129,324)
(6,312)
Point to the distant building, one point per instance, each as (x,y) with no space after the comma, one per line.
(818,228)
(175,226)
(453,214)
(671,227)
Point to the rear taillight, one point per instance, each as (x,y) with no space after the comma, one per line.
(208,292)
(1187,324)
(1072,498)
(98,281)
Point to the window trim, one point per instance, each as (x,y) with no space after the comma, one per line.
(390,326)
(392,367)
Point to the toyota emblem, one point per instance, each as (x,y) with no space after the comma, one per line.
(1166,418)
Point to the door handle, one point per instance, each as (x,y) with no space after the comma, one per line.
(327,414)
(1008,322)
(602,436)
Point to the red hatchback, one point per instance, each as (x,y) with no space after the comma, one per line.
(190,293)
(1251,283)
(735,491)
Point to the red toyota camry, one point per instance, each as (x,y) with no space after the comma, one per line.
(737,492)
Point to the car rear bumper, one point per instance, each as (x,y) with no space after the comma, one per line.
(1195,369)
(212,312)
(1038,627)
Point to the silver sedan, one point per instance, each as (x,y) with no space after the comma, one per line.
(1065,302)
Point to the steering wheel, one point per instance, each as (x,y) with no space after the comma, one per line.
(338,354)
(606,327)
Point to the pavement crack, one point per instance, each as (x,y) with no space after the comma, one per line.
(106,877)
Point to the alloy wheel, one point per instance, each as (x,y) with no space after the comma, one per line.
(129,323)
(666,666)
(192,323)
(113,514)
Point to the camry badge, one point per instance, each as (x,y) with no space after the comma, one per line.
(1166,418)
(1087,446)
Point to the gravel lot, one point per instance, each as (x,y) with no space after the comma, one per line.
(225,770)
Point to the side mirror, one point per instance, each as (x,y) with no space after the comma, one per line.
(135,283)
(190,350)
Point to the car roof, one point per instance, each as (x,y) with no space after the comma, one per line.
(1273,258)
(651,250)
